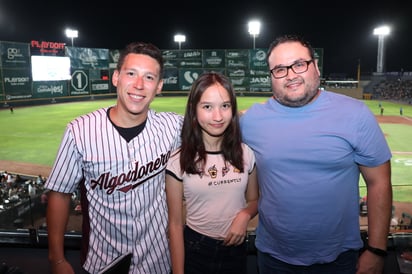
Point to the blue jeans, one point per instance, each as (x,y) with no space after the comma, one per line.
(344,264)
(207,255)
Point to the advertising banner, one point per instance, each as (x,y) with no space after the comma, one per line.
(213,58)
(190,63)
(46,48)
(170,54)
(17,83)
(170,82)
(14,55)
(79,84)
(190,54)
(219,70)
(99,86)
(88,58)
(237,63)
(90,69)
(237,58)
(259,83)
(233,72)
(183,58)
(187,77)
(113,58)
(259,72)
(50,89)
(258,59)
(240,83)
(171,63)
(237,53)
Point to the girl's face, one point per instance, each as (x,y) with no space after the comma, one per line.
(214,111)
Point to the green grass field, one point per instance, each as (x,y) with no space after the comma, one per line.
(33,134)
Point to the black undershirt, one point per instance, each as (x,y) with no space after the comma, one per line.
(128,133)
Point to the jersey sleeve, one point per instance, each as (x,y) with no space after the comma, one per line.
(173,166)
(66,171)
(249,158)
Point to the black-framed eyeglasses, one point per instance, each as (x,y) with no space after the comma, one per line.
(297,67)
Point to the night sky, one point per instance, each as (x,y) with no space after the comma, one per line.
(343,29)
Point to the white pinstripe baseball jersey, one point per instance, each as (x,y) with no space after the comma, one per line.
(124,184)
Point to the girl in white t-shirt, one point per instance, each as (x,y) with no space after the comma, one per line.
(212,177)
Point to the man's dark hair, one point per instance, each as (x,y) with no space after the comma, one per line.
(291,38)
(142,48)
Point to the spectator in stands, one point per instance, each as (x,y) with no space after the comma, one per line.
(43,200)
(39,180)
(4,177)
(215,173)
(310,147)
(394,89)
(407,255)
(31,189)
(118,156)
(10,179)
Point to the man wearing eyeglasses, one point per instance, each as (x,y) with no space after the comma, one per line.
(311,146)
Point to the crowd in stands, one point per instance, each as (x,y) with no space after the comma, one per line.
(394,89)
(14,188)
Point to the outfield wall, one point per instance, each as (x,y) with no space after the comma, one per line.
(352,92)
(89,71)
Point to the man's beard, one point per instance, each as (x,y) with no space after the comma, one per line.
(306,99)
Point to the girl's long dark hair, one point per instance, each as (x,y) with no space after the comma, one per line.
(193,153)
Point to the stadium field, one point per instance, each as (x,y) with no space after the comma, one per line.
(31,135)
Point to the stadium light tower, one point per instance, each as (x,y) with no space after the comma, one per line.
(381,32)
(180,38)
(71,33)
(254,30)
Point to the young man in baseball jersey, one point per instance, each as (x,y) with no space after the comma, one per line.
(118,156)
